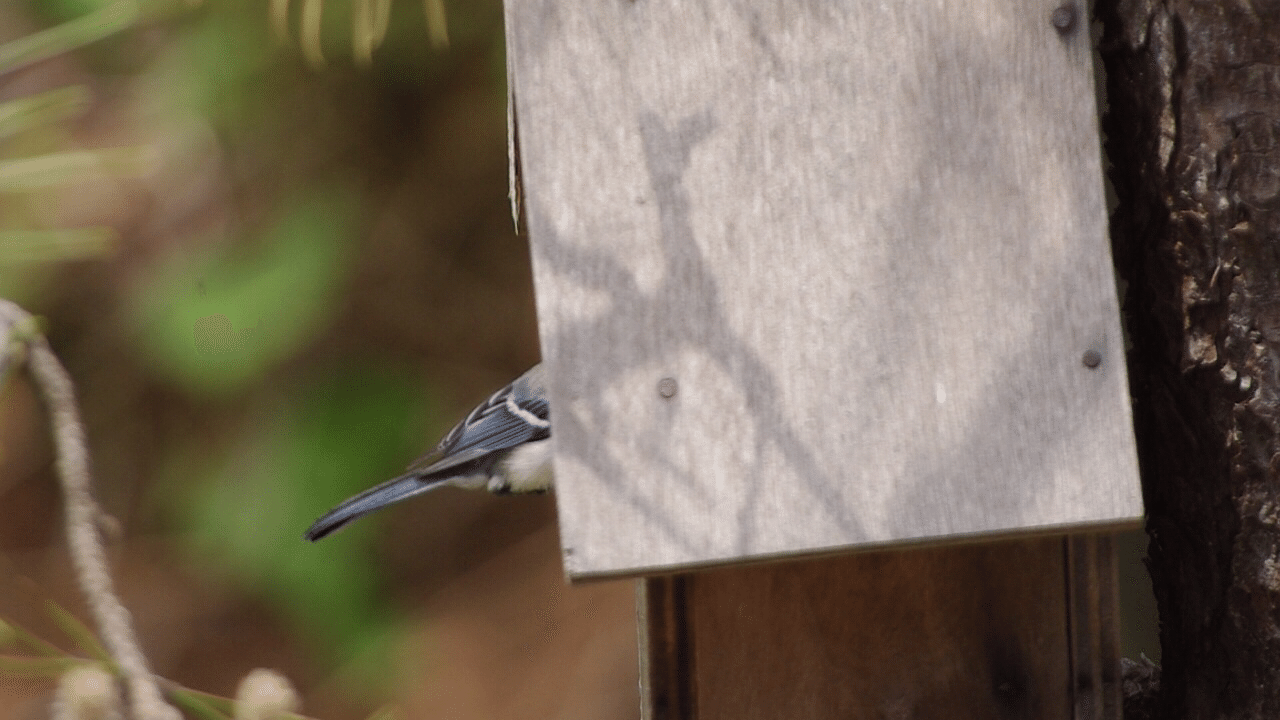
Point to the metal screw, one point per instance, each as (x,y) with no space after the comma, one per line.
(1092,358)
(1064,18)
(667,387)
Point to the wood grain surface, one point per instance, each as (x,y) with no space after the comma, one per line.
(864,245)
(1013,629)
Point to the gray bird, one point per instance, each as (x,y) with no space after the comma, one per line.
(503,446)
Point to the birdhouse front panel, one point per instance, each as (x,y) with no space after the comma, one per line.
(818,276)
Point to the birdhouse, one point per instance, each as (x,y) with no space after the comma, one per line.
(823,277)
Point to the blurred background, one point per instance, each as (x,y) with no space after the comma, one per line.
(280,263)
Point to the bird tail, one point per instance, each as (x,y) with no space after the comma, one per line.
(375,498)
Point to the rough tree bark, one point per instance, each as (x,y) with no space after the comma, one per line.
(1194,136)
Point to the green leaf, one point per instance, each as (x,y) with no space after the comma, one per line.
(37,667)
(34,642)
(108,20)
(196,704)
(79,633)
(35,246)
(42,109)
(66,167)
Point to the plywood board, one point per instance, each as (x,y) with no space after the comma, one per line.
(818,275)
(1014,629)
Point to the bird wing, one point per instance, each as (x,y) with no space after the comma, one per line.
(516,414)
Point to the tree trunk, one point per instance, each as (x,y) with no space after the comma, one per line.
(1193,133)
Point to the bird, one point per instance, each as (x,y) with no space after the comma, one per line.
(503,446)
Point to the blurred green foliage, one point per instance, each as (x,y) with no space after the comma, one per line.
(31,154)
(64,10)
(102,21)
(311,443)
(221,319)
(220,56)
(236,318)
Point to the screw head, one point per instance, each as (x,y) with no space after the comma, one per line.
(1092,358)
(667,387)
(1064,18)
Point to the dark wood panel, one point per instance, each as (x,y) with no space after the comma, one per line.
(986,630)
